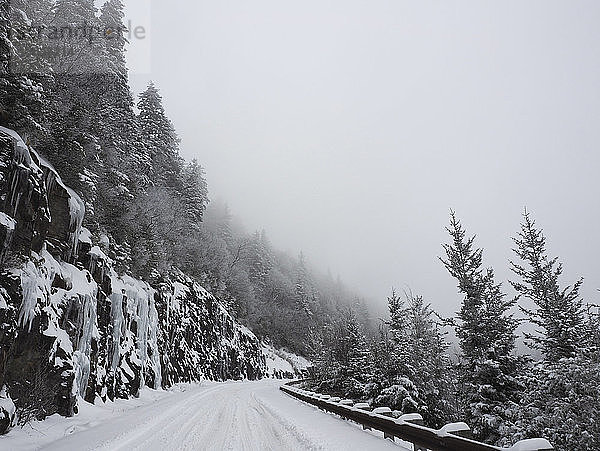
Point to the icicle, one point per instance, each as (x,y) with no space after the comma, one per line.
(153,341)
(32,292)
(116,313)
(138,309)
(81,357)
(76,212)
(14,185)
(9,225)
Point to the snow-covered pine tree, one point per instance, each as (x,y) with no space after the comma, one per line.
(398,390)
(302,289)
(561,396)
(160,141)
(411,361)
(259,259)
(75,30)
(342,359)
(112,27)
(433,371)
(123,161)
(560,402)
(358,370)
(486,331)
(194,191)
(25,72)
(77,61)
(398,330)
(558,311)
(326,369)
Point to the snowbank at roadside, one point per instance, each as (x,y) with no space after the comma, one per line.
(39,434)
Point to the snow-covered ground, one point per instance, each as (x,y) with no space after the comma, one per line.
(298,362)
(210,416)
(277,367)
(283,364)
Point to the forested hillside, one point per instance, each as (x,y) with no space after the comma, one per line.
(117,271)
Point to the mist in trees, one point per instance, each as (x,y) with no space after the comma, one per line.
(151,212)
(147,207)
(504,396)
(405,366)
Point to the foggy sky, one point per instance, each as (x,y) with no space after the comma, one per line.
(348,129)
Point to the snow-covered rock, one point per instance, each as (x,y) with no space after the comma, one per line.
(76,328)
(200,339)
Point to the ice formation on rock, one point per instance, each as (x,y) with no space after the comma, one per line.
(94,333)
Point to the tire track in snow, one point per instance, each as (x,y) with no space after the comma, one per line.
(227,416)
(122,432)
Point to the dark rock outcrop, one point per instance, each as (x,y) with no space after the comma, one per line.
(71,326)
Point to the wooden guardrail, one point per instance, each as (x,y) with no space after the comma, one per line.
(406,427)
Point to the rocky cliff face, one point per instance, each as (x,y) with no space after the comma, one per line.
(71,326)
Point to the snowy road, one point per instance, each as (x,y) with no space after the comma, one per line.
(227,416)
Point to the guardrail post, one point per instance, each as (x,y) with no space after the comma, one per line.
(461,429)
(366,407)
(386,412)
(532,444)
(414,418)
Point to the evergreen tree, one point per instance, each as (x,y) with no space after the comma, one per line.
(411,356)
(123,161)
(398,329)
(326,368)
(112,28)
(394,361)
(75,32)
(160,140)
(433,370)
(194,191)
(303,289)
(259,259)
(560,402)
(558,311)
(487,338)
(561,396)
(25,73)
(384,369)
(342,361)
(357,369)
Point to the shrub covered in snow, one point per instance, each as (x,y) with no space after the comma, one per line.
(560,402)
(401,396)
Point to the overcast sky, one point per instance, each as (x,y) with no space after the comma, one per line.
(349,129)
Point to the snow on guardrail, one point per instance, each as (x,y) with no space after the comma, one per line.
(408,427)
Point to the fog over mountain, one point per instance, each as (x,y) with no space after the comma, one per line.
(223,222)
(349,129)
